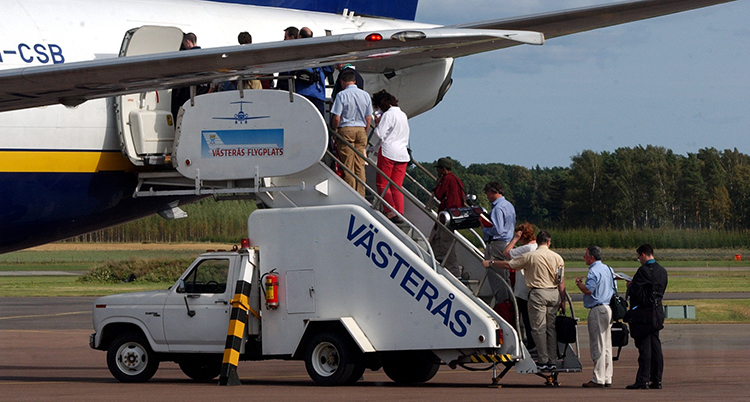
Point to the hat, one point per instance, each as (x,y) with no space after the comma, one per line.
(444,163)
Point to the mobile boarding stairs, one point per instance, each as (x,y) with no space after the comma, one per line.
(273,145)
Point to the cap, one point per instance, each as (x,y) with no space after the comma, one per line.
(444,163)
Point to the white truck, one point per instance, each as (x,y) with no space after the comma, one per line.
(351,297)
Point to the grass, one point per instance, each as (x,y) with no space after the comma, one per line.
(64,267)
(158,270)
(89,257)
(668,257)
(107,268)
(687,281)
(707,311)
(52,286)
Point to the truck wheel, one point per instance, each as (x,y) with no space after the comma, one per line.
(130,358)
(201,369)
(409,367)
(332,359)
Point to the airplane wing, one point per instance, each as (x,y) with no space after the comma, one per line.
(73,83)
(568,22)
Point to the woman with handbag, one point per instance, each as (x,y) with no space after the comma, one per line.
(524,236)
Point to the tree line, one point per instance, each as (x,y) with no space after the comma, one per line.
(638,188)
(613,199)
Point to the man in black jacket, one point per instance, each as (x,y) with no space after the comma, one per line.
(646,318)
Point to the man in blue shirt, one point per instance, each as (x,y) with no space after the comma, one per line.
(351,117)
(497,233)
(597,291)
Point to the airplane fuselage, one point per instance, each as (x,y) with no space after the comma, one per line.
(62,171)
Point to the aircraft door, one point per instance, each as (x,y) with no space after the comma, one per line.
(145,122)
(196,312)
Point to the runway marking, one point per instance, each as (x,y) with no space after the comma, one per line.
(45,315)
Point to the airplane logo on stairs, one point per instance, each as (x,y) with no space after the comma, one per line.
(241,117)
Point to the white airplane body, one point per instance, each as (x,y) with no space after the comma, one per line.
(96,35)
(62,169)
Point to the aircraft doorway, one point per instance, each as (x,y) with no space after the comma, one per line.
(144,120)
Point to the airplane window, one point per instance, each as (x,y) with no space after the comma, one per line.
(210,276)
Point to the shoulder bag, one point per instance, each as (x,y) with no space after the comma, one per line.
(617,303)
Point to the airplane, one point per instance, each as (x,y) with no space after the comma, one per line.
(241,117)
(75,74)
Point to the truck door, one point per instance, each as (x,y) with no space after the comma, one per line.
(144,120)
(196,315)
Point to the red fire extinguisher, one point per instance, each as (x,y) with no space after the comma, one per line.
(272,291)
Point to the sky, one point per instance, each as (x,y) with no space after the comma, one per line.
(681,82)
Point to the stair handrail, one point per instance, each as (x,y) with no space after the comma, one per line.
(474,251)
(379,198)
(424,169)
(493,271)
(433,260)
(431,214)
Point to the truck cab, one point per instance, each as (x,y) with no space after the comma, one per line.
(186,323)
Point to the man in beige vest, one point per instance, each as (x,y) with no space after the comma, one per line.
(544,271)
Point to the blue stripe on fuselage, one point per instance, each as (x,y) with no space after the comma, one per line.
(398,9)
(38,208)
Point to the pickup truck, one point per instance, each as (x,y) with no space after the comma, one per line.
(350,296)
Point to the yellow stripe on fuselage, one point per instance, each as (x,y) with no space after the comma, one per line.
(63,161)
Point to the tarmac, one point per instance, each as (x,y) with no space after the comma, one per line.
(44,356)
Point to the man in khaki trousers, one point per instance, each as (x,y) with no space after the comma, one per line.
(598,288)
(352,115)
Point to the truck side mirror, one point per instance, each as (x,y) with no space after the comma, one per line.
(181,286)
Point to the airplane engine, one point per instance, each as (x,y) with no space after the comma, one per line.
(418,88)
